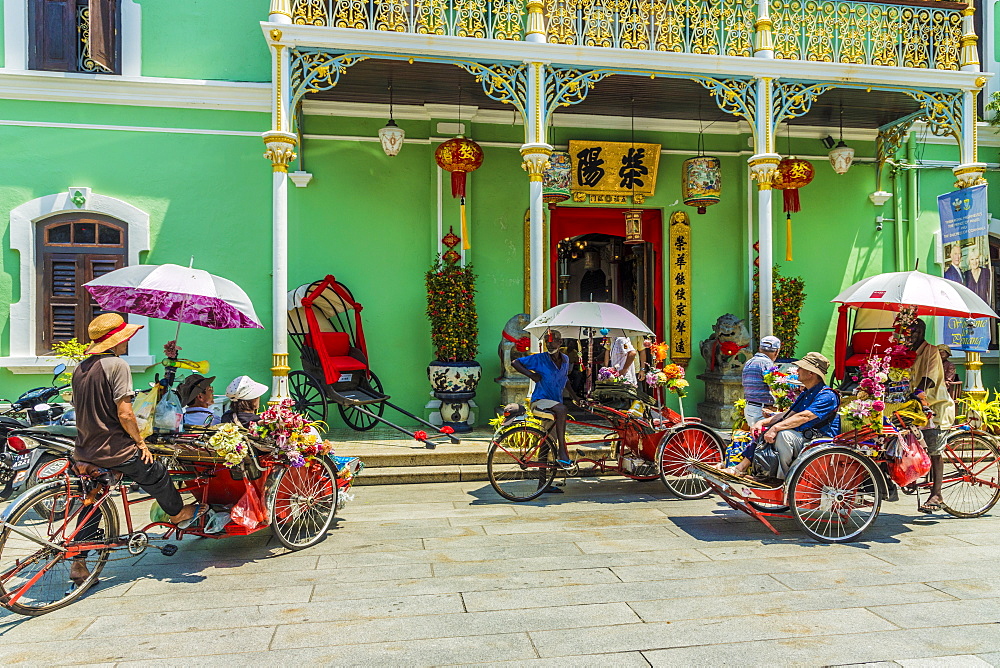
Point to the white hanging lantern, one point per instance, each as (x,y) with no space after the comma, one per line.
(841,157)
(391,136)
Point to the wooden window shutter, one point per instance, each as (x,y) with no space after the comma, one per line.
(95,266)
(61,290)
(103,32)
(53,34)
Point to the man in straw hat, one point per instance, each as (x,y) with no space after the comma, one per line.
(813,415)
(107,432)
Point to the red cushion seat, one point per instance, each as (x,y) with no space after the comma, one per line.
(865,344)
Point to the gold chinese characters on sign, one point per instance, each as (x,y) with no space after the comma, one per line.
(609,172)
(679,270)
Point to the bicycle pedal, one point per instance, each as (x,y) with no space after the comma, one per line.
(168,550)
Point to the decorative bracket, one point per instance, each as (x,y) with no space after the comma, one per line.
(792,100)
(566,86)
(503,83)
(314,70)
(733,96)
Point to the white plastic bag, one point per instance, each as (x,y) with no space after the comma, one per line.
(169,413)
(144,406)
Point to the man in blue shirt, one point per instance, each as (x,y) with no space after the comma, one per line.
(755,390)
(549,371)
(813,415)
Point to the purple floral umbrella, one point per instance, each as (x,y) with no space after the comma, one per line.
(173,292)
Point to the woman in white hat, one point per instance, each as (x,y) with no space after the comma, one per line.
(244,400)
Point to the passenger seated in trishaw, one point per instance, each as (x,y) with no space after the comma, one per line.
(813,415)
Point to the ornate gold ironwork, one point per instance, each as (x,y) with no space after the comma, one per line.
(566,86)
(689,26)
(866,33)
(83,60)
(485,19)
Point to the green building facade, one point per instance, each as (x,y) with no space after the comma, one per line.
(169,149)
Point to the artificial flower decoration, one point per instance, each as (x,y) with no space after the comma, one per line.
(296,439)
(420,435)
(229,443)
(784,386)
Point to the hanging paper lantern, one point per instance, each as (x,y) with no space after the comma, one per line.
(702,181)
(633,226)
(793,173)
(841,157)
(556,178)
(459,156)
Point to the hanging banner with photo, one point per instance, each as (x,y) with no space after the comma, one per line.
(966,252)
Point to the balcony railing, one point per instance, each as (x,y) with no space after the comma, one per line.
(838,31)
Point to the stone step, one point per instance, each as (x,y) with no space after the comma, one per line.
(421,474)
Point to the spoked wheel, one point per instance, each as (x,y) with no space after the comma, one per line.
(834,494)
(34,562)
(971,475)
(308,394)
(521,463)
(357,420)
(301,502)
(678,449)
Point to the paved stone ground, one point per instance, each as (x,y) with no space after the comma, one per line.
(610,573)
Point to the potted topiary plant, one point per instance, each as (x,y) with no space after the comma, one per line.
(451,309)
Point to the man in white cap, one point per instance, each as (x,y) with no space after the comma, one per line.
(107,432)
(755,390)
(244,400)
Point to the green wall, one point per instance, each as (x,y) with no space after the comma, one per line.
(205,39)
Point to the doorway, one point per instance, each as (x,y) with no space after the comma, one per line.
(590,261)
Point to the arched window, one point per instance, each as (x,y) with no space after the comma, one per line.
(73,249)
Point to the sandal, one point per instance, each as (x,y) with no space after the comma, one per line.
(199,510)
(929,507)
(565,464)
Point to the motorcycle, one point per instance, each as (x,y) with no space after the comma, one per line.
(37,438)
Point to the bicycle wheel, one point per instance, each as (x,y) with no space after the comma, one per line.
(357,420)
(301,502)
(308,395)
(679,448)
(521,463)
(834,495)
(34,566)
(971,474)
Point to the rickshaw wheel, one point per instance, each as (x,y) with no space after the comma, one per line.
(969,455)
(678,449)
(509,459)
(308,394)
(22,559)
(835,494)
(357,420)
(301,502)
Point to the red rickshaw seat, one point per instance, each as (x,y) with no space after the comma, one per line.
(864,344)
(334,350)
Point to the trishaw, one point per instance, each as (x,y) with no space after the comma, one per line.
(75,514)
(646,442)
(835,487)
(324,323)
(522,457)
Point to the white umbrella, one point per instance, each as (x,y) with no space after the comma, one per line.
(173,292)
(932,295)
(579,320)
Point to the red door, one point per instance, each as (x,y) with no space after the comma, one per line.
(588,250)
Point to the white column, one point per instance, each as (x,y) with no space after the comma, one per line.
(762,167)
(535,152)
(280,143)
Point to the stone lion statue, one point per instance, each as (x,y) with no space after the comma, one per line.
(728,348)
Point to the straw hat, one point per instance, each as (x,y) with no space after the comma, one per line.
(108,330)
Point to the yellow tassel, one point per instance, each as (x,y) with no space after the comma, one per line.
(788,237)
(465,232)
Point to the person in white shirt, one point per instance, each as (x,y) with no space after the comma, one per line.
(623,356)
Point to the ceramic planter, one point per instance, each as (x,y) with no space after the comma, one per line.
(454,384)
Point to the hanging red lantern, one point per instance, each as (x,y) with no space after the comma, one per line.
(459,156)
(792,173)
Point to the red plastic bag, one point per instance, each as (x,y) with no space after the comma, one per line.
(910,460)
(249,511)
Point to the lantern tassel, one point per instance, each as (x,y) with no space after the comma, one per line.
(788,237)
(465,232)
(791,197)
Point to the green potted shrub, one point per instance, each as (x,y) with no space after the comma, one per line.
(451,308)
